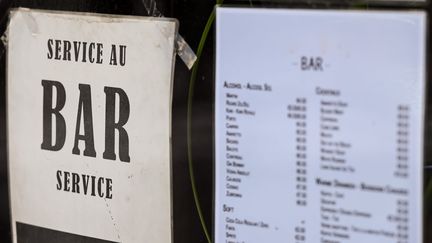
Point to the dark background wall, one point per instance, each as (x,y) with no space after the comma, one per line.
(192,15)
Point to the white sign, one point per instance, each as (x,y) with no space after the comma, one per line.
(89,126)
(319,126)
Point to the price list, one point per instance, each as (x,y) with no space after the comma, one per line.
(319,126)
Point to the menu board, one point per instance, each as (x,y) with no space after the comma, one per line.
(319,118)
(89,127)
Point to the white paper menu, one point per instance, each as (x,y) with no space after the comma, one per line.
(319,125)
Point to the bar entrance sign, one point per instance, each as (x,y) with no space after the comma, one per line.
(319,125)
(89,126)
